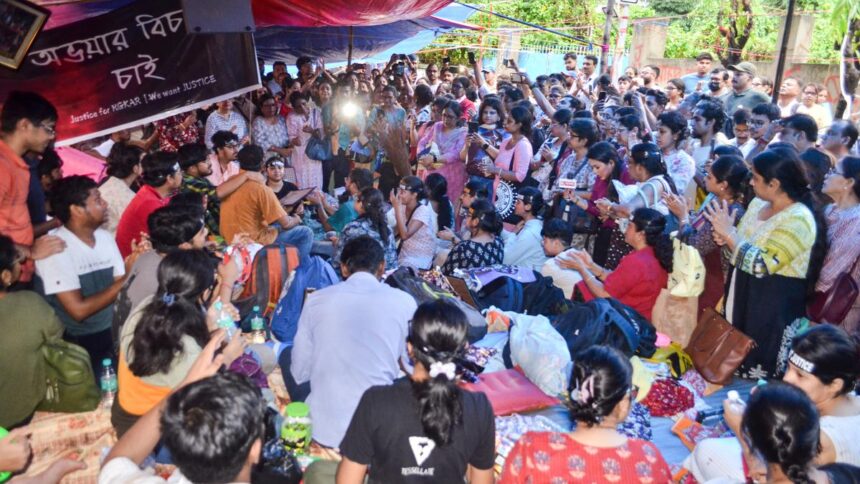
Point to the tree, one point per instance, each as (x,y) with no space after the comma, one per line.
(738,31)
(846,15)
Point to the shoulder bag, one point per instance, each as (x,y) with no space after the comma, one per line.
(318,148)
(71,383)
(717,348)
(832,305)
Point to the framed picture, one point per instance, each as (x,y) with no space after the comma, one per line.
(20,22)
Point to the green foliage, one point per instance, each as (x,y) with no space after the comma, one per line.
(672,7)
(693,26)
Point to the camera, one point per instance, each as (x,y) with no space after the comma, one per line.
(403,57)
(516,78)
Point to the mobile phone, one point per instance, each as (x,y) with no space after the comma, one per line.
(399,69)
(446,60)
(506,62)
(473,127)
(471,56)
(601,96)
(516,78)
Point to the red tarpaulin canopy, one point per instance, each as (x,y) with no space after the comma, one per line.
(290,13)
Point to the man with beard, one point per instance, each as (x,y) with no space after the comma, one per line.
(196,166)
(83,281)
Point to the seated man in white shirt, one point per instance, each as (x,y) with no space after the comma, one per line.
(213,427)
(350,337)
(523,248)
(557,237)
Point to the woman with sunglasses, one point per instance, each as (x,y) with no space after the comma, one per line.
(601,394)
(165,334)
(484,247)
(449,138)
(415,224)
(843,232)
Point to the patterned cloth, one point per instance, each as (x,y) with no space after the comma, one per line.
(681,168)
(362,226)
(267,135)
(667,397)
(550,457)
(308,171)
(80,436)
(213,203)
(781,245)
(843,237)
(468,254)
(233,122)
(172,135)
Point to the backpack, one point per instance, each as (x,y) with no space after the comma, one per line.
(408,281)
(688,270)
(315,273)
(544,297)
(272,266)
(606,322)
(504,293)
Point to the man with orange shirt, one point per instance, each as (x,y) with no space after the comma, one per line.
(27,124)
(254,209)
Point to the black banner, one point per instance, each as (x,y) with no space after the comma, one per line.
(130,66)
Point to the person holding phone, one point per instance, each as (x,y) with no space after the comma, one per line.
(483,141)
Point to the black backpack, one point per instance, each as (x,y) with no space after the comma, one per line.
(606,322)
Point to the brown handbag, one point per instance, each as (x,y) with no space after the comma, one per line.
(717,348)
(832,305)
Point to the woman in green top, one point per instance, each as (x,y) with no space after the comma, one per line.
(777,252)
(27,322)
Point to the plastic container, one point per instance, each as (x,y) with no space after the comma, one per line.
(108,383)
(296,431)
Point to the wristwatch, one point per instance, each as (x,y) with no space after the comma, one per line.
(485,146)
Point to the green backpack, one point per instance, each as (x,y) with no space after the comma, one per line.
(69,377)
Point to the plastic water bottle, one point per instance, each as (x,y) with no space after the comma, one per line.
(258,327)
(225,321)
(108,383)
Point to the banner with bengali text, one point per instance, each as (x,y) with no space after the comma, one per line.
(131,66)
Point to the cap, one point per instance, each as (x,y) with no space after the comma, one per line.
(488,69)
(745,67)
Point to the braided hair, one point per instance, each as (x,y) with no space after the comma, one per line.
(438,339)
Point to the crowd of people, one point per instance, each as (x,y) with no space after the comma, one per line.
(579,175)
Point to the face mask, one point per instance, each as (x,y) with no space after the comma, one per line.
(714,86)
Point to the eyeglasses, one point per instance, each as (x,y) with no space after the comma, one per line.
(51,130)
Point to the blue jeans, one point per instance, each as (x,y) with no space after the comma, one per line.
(299,236)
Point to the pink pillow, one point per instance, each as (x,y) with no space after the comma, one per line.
(510,392)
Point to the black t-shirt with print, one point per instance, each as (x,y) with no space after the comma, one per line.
(386,434)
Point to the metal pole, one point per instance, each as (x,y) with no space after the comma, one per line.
(349,52)
(780,63)
(523,22)
(607,31)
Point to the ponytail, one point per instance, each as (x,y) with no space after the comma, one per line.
(438,339)
(653,224)
(158,336)
(174,312)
